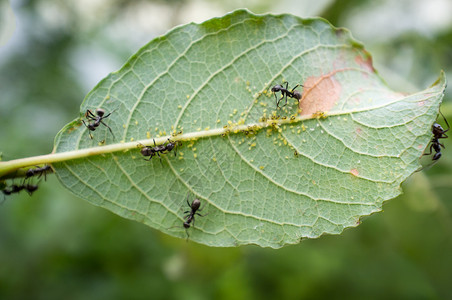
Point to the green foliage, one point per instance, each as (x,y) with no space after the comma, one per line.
(356,140)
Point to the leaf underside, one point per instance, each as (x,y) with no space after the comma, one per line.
(253,188)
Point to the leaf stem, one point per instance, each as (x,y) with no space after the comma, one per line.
(8,167)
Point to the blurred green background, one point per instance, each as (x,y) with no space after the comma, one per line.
(54,245)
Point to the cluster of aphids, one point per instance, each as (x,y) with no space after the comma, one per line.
(26,185)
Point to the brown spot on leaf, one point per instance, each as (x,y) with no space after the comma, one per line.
(354,172)
(320,94)
(364,60)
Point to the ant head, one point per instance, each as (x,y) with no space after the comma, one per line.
(170,146)
(437,128)
(276,88)
(100,112)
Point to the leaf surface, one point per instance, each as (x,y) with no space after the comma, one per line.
(351,143)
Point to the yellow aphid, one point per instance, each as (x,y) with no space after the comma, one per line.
(195,155)
(207,128)
(179,106)
(303,127)
(148,134)
(188,96)
(136,122)
(218,121)
(214,158)
(131,139)
(123,125)
(261,167)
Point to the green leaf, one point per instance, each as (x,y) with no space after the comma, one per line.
(356,139)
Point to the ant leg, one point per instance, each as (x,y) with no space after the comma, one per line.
(276,100)
(149,158)
(160,158)
(282,97)
(445,120)
(90,136)
(431,146)
(285,97)
(109,113)
(295,87)
(90,115)
(188,194)
(114,138)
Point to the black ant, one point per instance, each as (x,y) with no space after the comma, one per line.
(438,133)
(286,93)
(38,171)
(97,120)
(30,188)
(151,151)
(190,217)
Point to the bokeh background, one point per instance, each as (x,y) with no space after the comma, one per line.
(54,245)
